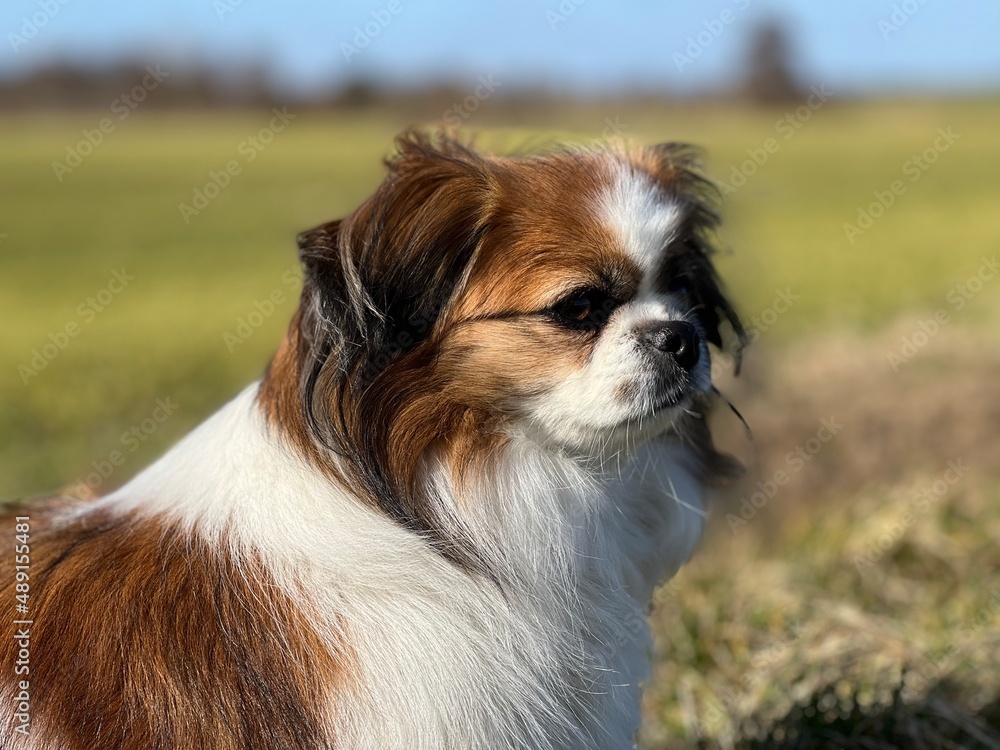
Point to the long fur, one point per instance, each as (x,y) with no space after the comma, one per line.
(438,520)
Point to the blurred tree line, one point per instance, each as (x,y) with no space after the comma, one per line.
(766,75)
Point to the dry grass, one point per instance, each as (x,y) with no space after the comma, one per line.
(942,405)
(798,630)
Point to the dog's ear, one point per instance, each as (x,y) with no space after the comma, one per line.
(688,263)
(384,274)
(325,285)
(376,285)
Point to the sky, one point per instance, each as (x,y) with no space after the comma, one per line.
(584,46)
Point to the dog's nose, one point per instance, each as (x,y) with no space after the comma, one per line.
(674,337)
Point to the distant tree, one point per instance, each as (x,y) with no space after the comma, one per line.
(358,93)
(770,67)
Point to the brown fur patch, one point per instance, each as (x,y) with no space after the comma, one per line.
(426,314)
(145,638)
(544,237)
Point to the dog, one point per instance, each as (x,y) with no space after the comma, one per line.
(438,519)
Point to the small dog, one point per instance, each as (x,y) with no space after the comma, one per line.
(438,519)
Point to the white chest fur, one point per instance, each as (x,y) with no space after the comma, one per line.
(442,659)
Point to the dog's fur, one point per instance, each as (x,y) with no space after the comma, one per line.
(438,520)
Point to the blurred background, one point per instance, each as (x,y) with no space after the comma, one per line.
(158,158)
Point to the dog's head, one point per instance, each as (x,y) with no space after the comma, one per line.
(568,298)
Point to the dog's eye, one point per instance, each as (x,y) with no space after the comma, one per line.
(586,309)
(576,309)
(678,287)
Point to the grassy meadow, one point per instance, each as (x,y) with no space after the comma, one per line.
(852,605)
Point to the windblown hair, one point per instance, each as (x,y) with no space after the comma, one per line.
(379,302)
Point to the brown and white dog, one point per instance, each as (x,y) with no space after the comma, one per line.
(438,519)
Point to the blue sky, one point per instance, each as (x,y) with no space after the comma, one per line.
(590,46)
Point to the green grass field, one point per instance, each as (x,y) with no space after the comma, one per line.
(782,601)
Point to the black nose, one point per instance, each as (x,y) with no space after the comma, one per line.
(675,337)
